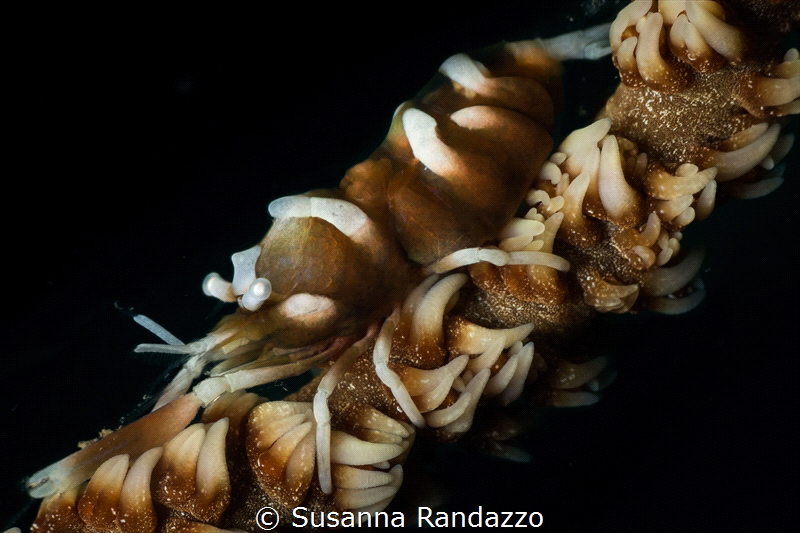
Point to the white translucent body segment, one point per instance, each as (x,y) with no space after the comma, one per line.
(202,352)
(735,163)
(688,179)
(524,257)
(305,304)
(707,199)
(349,450)
(322,414)
(256,294)
(617,196)
(722,37)
(244,269)
(345,216)
(179,462)
(215,286)
(244,276)
(280,434)
(663,281)
(672,10)
(415,297)
(469,256)
(212,471)
(348,477)
(508,382)
(650,64)
(420,130)
(148,432)
(157,329)
(135,500)
(574,219)
(488,358)
(426,324)
(380,358)
(430,387)
(457,419)
(463,70)
(366,491)
(212,388)
(591,43)
(522,226)
(580,141)
(191,370)
(499,381)
(628,16)
(571,375)
(549,172)
(100,499)
(515,386)
(419,381)
(473,339)
(202,346)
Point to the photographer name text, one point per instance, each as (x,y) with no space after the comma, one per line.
(426,517)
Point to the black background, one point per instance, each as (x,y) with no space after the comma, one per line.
(150,146)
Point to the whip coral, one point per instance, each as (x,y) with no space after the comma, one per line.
(689,388)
